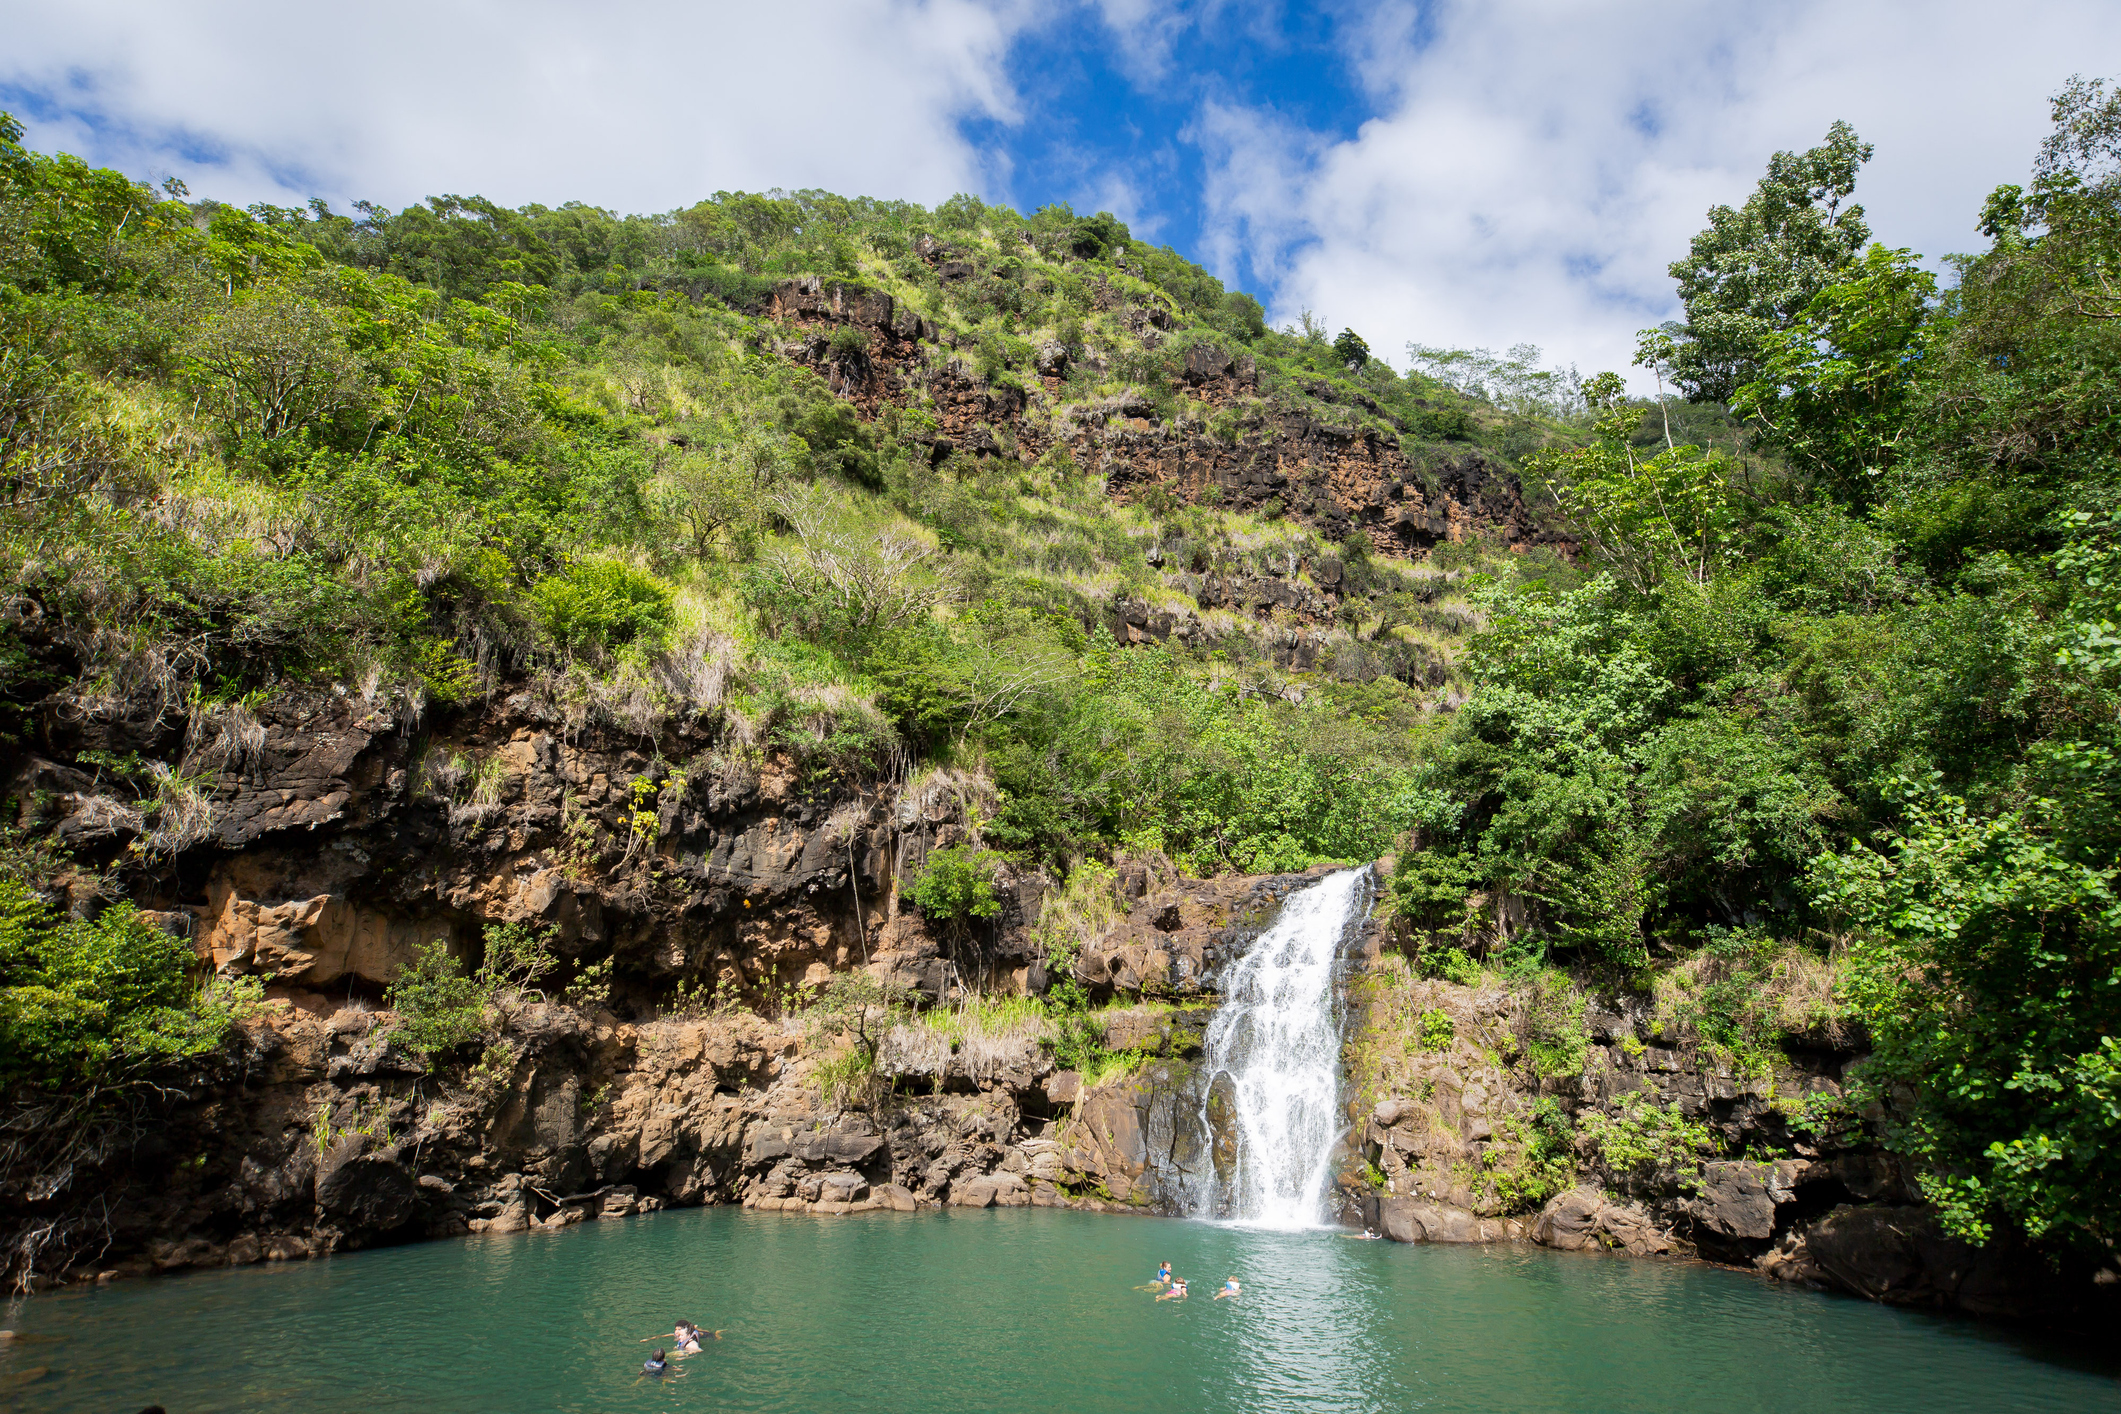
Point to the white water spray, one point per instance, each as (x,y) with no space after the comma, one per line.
(1277,1039)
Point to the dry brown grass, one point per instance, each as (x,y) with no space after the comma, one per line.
(1784,989)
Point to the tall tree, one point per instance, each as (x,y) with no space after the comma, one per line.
(1754,269)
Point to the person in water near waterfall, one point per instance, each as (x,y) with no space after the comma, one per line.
(656,1364)
(686,1337)
(1177,1291)
(1230,1288)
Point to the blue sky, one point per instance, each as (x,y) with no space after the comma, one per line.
(1112,114)
(1447,172)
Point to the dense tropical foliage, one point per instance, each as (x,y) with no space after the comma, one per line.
(1864,703)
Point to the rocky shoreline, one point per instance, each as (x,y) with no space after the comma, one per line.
(332,1140)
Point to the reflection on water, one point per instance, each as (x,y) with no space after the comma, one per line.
(1003,1311)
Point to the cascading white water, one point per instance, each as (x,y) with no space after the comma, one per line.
(1277,1039)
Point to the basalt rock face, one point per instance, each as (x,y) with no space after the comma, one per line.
(1835,1210)
(314,1134)
(1177,937)
(348,832)
(317,1127)
(1339,480)
(321,1135)
(334,834)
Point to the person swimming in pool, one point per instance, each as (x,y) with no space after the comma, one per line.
(1163,1274)
(1230,1288)
(687,1338)
(1177,1291)
(656,1364)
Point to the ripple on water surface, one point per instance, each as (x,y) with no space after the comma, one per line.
(1003,1311)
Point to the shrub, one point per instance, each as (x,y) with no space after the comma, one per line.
(1451,964)
(591,986)
(86,1004)
(1438,1030)
(1554,1033)
(439,1008)
(1745,991)
(595,606)
(1429,888)
(846,585)
(517,955)
(956,885)
(1641,1142)
(1544,1163)
(1082,910)
(1078,1035)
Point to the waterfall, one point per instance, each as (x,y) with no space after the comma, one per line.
(1273,1060)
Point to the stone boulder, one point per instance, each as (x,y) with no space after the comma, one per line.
(1583,1219)
(994,1190)
(1734,1213)
(846,1186)
(1206,363)
(894,1197)
(1898,1255)
(1410,1220)
(366,1192)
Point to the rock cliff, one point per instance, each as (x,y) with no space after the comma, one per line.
(1251,451)
(1471,1102)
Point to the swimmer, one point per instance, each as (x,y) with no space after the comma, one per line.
(1177,1291)
(687,1338)
(1163,1279)
(655,1364)
(1230,1288)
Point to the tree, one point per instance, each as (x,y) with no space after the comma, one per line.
(65,224)
(1645,517)
(2076,198)
(276,361)
(864,1006)
(1352,351)
(1099,236)
(719,480)
(845,584)
(1833,387)
(1987,971)
(1756,268)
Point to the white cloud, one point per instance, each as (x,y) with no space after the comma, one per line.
(1536,164)
(639,106)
